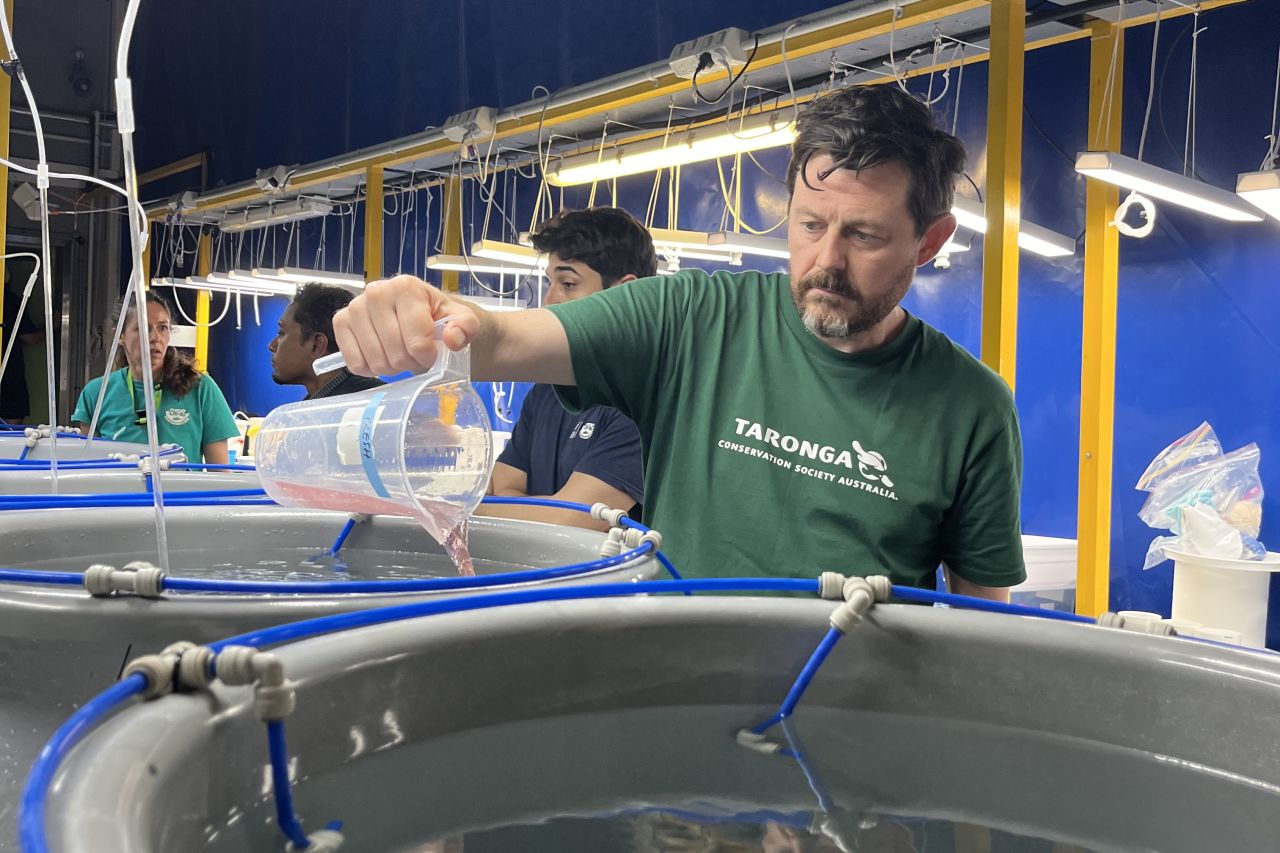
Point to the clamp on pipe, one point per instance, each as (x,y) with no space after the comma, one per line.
(147,465)
(859,595)
(603,512)
(160,671)
(137,578)
(274,697)
(1157,629)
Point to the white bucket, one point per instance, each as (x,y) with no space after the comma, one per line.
(1224,593)
(1051,574)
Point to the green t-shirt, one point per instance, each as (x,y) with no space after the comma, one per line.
(769,453)
(200,417)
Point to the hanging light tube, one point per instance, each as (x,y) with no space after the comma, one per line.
(732,259)
(1262,190)
(776,247)
(496,303)
(242,284)
(1165,185)
(275,213)
(678,238)
(461,263)
(222,283)
(298,275)
(508,253)
(723,139)
(1037,239)
(749,244)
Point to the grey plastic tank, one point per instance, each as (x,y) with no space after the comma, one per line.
(445,727)
(58,646)
(80,481)
(69,448)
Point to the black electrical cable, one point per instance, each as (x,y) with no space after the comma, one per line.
(975,186)
(703,66)
(1040,130)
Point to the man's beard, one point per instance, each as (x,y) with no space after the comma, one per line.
(848,313)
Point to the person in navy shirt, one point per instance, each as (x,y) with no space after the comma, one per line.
(593,456)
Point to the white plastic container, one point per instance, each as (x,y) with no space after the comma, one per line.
(1224,593)
(419,447)
(1139,618)
(1051,574)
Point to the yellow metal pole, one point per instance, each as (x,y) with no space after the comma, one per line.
(1004,189)
(204,266)
(1098,339)
(451,222)
(5,91)
(373,223)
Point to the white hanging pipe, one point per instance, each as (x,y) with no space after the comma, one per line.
(42,185)
(137,239)
(22,308)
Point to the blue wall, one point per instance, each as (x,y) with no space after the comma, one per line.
(1198,322)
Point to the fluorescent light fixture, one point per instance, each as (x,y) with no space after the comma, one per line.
(221,284)
(460,263)
(497,303)
(1262,190)
(298,275)
(275,213)
(677,238)
(733,260)
(182,336)
(1167,186)
(1037,239)
(508,253)
(723,139)
(749,244)
(776,247)
(231,284)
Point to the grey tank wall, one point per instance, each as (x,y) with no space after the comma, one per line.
(68,448)
(131,786)
(118,481)
(59,646)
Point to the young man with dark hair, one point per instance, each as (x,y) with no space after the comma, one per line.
(593,456)
(792,424)
(305,333)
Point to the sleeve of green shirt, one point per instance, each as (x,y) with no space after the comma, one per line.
(218,423)
(624,344)
(88,399)
(982,533)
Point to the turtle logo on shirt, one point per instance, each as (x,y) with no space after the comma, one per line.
(177,417)
(586,430)
(871,466)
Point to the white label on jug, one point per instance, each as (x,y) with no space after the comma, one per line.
(350,451)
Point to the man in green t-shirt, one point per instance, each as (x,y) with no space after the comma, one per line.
(791,424)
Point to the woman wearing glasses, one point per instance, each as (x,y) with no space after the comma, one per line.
(190,408)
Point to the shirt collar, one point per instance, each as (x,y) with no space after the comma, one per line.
(329,387)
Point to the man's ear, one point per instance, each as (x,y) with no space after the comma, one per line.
(626,278)
(935,237)
(319,344)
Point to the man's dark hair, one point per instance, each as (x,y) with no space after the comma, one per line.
(314,307)
(864,126)
(607,239)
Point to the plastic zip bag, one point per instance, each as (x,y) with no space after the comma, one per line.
(1203,497)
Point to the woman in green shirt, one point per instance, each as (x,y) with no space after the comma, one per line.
(190,408)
